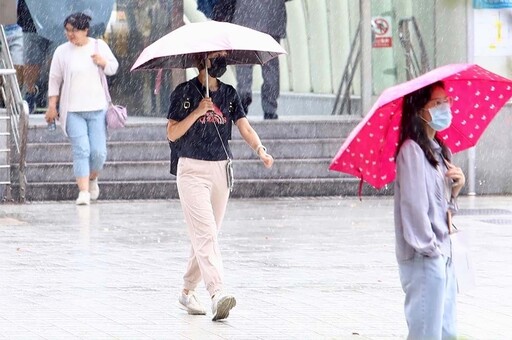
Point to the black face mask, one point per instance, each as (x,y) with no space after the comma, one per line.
(218,68)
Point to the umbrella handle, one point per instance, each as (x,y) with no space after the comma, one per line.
(206,75)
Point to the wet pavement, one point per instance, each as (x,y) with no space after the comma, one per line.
(319,268)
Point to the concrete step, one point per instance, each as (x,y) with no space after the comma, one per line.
(159,150)
(154,129)
(293,104)
(159,170)
(147,130)
(243,188)
(138,161)
(280,149)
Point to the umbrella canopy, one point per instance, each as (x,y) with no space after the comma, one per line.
(478,95)
(49,15)
(179,48)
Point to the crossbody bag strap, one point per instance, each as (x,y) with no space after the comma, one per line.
(448,196)
(216,127)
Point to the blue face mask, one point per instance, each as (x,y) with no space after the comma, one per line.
(441,117)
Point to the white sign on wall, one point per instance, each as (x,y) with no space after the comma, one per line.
(492,29)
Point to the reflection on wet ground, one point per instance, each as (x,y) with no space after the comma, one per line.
(300,269)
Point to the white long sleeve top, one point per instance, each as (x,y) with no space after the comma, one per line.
(76,79)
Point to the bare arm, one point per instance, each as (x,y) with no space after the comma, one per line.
(251,137)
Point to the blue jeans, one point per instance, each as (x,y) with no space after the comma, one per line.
(88,134)
(430,297)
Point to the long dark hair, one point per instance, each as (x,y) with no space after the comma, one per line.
(412,126)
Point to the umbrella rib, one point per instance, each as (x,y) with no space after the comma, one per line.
(258,56)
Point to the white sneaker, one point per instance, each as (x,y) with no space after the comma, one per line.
(94,189)
(84,198)
(221,305)
(191,304)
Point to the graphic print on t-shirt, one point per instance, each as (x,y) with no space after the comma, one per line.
(214,116)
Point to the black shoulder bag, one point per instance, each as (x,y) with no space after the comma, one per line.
(188,103)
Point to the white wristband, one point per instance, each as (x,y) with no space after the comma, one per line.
(261,146)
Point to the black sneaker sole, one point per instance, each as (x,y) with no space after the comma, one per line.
(223,307)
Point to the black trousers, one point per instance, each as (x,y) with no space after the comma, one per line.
(269,89)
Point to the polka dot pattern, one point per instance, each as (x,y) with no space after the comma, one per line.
(478,95)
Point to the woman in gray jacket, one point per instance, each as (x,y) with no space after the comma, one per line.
(425,190)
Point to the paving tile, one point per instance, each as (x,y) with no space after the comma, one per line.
(300,268)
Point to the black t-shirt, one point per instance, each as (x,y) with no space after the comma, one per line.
(202,141)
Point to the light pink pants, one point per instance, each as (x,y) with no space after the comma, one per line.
(203,190)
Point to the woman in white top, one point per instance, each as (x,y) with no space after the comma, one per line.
(75,83)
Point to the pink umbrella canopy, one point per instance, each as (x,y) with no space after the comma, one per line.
(478,95)
(179,48)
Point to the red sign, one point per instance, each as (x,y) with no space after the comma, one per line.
(381,27)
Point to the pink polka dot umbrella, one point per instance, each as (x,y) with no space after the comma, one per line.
(478,95)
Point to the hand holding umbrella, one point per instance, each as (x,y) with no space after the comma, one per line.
(457,176)
(205,106)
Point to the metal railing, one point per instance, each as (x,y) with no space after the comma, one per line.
(343,96)
(410,36)
(16,127)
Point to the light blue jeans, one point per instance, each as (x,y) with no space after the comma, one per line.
(430,297)
(88,134)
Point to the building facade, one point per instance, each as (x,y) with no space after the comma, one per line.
(319,38)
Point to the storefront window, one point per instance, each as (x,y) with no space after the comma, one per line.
(134,25)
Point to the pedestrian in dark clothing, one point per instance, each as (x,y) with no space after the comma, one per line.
(206,6)
(218,10)
(267,16)
(37,51)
